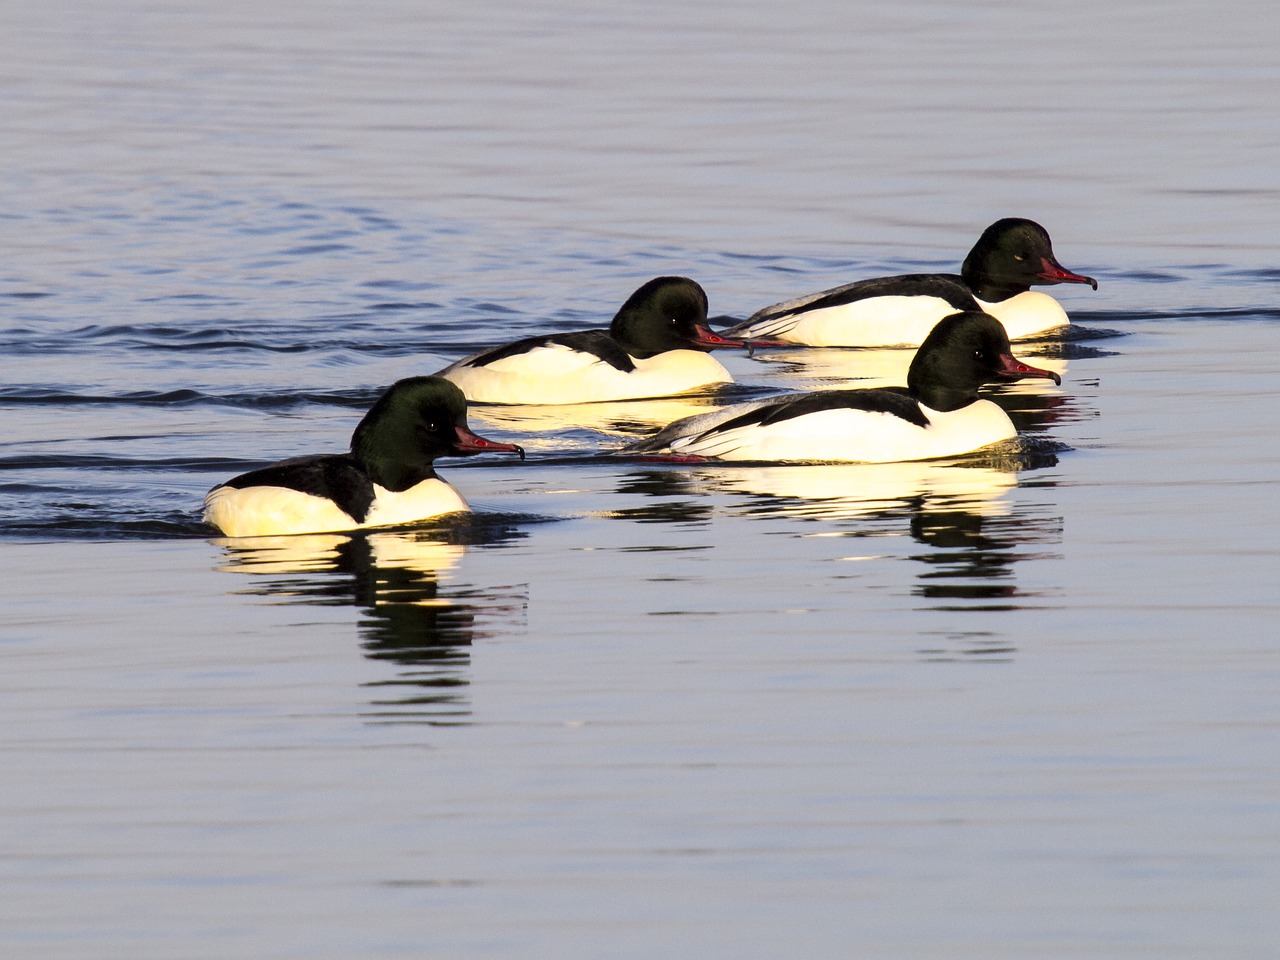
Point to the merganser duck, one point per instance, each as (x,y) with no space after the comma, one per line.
(656,346)
(386,479)
(938,413)
(996,277)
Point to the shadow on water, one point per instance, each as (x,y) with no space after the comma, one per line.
(414,614)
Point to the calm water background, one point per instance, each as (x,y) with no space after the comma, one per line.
(1020,706)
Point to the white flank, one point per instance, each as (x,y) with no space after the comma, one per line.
(558,374)
(856,436)
(277,511)
(887,321)
(894,321)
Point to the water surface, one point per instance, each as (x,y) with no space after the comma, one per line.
(1014,705)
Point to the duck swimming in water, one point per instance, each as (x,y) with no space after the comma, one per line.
(388,478)
(1009,258)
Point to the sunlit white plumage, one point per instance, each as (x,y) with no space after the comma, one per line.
(557,373)
(259,511)
(1027,314)
(855,435)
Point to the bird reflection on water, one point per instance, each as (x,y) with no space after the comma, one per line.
(414,614)
(962,515)
(957,522)
(969,558)
(561,428)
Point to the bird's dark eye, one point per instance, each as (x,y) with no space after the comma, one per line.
(432,426)
(1020,257)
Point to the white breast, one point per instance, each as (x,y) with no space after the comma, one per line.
(857,436)
(430,498)
(558,374)
(1028,314)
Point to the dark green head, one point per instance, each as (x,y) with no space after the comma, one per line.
(667,313)
(412,423)
(1012,255)
(960,354)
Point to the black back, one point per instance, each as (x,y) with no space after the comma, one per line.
(598,342)
(948,287)
(894,400)
(335,477)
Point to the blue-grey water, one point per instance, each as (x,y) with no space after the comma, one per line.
(1011,706)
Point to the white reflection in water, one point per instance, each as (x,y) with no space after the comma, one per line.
(957,522)
(622,418)
(805,366)
(397,579)
(962,515)
(849,490)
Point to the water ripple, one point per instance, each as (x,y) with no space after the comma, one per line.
(28,395)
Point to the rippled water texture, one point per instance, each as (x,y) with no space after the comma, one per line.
(1020,704)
